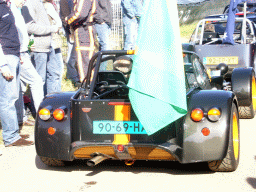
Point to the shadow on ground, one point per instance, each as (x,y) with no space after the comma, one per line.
(139,166)
(252,182)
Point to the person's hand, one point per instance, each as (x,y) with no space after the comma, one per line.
(6,72)
(66,19)
(21,60)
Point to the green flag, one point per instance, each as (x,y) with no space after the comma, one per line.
(157,83)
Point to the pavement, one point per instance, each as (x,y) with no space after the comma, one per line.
(21,170)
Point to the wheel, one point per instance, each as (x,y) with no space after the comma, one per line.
(248,112)
(231,161)
(52,162)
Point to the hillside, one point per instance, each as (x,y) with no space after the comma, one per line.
(188,13)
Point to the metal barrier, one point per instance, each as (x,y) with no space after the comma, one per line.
(117,32)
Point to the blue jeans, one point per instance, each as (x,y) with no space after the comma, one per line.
(8,95)
(60,67)
(19,105)
(130,33)
(103,32)
(50,69)
(29,75)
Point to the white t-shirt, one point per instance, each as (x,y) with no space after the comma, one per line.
(21,27)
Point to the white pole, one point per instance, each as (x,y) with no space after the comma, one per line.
(244,25)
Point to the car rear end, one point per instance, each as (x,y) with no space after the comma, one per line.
(239,55)
(110,129)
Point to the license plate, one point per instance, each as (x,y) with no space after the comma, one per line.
(218,60)
(118,127)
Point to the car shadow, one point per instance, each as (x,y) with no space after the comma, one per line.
(169,167)
(252,181)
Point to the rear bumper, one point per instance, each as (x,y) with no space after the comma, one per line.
(132,151)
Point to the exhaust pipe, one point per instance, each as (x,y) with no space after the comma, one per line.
(96,160)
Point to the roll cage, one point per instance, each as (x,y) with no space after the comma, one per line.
(240,36)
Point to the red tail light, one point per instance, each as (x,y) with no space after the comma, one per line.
(59,114)
(120,148)
(197,114)
(51,130)
(205,131)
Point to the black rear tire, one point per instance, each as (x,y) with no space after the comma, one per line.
(231,160)
(248,112)
(52,162)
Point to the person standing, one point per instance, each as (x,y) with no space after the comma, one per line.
(103,21)
(9,80)
(132,11)
(42,55)
(81,20)
(28,73)
(65,10)
(54,18)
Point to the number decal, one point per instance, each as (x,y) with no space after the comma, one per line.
(126,126)
(101,126)
(118,128)
(108,127)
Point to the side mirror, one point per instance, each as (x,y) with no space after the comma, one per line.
(223,68)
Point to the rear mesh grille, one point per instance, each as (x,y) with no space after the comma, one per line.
(85,152)
(149,153)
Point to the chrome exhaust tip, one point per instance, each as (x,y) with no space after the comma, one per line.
(96,160)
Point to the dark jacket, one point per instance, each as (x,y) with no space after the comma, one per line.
(9,37)
(103,12)
(82,13)
(65,10)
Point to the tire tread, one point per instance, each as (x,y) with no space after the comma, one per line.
(246,112)
(52,162)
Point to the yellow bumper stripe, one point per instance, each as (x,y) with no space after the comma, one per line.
(122,113)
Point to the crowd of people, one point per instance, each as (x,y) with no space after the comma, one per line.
(41,66)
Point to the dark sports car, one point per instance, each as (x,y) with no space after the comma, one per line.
(206,42)
(86,124)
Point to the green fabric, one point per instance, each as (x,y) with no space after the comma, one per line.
(157,82)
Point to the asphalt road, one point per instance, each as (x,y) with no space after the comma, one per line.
(21,170)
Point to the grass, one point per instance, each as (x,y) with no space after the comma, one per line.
(187,30)
(66,84)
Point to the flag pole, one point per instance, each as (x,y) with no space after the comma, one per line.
(244,24)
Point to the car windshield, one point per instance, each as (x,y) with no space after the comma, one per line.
(196,75)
